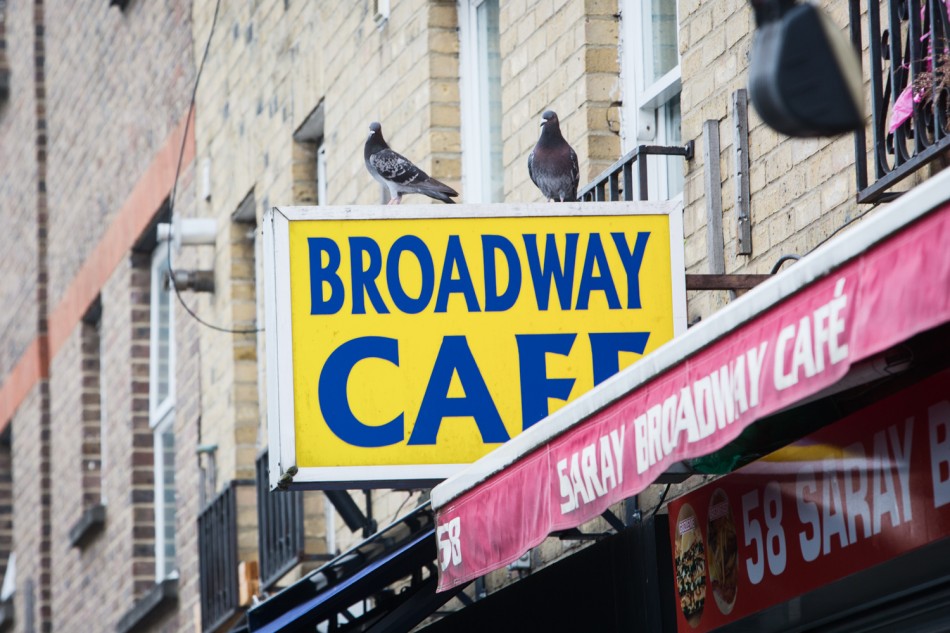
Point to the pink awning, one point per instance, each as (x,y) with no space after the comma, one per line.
(792,337)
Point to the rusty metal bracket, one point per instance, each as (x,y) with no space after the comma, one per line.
(724,282)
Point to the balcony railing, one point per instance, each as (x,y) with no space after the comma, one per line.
(910,91)
(280,529)
(617,181)
(218,557)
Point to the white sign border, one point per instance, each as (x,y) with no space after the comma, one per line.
(284,472)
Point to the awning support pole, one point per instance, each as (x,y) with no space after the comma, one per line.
(613,520)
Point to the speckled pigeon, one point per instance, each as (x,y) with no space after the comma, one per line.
(398,173)
(552,163)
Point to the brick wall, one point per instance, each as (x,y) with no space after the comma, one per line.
(116,567)
(801,189)
(560,55)
(67,472)
(140,451)
(125,76)
(28,511)
(18,191)
(117,88)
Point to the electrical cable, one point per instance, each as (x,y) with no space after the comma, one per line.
(403,504)
(171,201)
(782,260)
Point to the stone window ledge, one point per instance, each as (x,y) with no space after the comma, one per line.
(89,524)
(153,604)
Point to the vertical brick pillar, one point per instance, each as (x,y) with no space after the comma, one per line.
(6,500)
(91,413)
(43,602)
(142,482)
(4,65)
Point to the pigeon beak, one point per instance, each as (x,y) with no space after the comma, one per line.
(543,121)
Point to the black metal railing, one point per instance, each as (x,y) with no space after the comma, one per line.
(910,91)
(280,533)
(617,181)
(218,557)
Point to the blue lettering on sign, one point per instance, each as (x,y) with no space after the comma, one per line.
(320,274)
(602,281)
(553,269)
(365,278)
(332,393)
(606,347)
(632,261)
(455,356)
(493,301)
(502,290)
(536,387)
(405,303)
(455,258)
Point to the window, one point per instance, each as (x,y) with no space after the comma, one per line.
(381,12)
(162,411)
(480,84)
(651,76)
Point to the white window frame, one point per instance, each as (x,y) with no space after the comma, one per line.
(161,414)
(645,105)
(158,410)
(476,145)
(165,425)
(381,12)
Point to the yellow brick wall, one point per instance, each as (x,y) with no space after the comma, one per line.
(802,190)
(560,55)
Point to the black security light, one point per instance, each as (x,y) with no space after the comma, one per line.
(804,76)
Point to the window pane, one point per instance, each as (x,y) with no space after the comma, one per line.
(166,496)
(161,320)
(673,123)
(489,80)
(659,20)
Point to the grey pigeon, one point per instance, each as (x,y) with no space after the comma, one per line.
(552,163)
(398,173)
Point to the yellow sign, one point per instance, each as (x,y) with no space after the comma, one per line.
(429,341)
